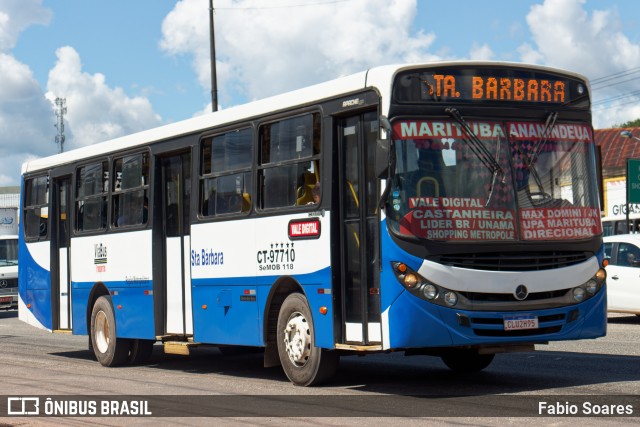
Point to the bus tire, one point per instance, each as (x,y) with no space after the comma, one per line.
(140,351)
(109,350)
(91,350)
(302,362)
(467,361)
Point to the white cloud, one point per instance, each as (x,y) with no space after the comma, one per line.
(95,111)
(566,36)
(481,52)
(15,16)
(264,50)
(26,122)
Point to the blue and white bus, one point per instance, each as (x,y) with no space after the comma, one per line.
(447,209)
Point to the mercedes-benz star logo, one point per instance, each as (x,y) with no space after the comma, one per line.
(521,292)
(3,283)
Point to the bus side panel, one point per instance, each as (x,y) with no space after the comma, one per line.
(34,284)
(122,262)
(226,314)
(80,296)
(234,265)
(282,254)
(133,307)
(317,289)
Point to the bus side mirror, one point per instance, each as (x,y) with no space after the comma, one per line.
(383,148)
(383,153)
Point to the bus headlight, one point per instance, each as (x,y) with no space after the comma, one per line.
(589,288)
(411,280)
(423,288)
(451,298)
(430,291)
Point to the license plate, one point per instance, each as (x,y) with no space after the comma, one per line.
(6,299)
(516,323)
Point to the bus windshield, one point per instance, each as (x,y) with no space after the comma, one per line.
(486,180)
(8,252)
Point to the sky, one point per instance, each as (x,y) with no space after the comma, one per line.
(124,66)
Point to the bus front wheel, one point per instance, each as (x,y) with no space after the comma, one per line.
(109,350)
(303,362)
(467,361)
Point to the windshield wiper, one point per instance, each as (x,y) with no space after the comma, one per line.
(476,146)
(529,161)
(546,133)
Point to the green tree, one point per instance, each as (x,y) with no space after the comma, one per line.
(631,124)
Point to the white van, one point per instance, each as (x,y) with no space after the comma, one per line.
(8,272)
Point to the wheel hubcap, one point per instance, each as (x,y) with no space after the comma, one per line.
(297,339)
(101,339)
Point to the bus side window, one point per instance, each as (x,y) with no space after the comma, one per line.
(225,173)
(130,190)
(92,184)
(36,209)
(289,161)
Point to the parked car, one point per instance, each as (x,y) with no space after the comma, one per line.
(623,273)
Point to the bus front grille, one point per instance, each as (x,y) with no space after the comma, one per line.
(514,261)
(494,326)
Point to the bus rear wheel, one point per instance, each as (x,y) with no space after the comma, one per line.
(140,351)
(466,361)
(109,350)
(302,362)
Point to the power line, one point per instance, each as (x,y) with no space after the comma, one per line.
(617,83)
(608,107)
(615,98)
(595,82)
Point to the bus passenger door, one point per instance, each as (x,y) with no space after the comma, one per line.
(360,288)
(175,203)
(60,254)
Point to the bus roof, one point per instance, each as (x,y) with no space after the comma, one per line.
(379,77)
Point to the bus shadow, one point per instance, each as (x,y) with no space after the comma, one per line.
(509,373)
(626,319)
(8,314)
(416,375)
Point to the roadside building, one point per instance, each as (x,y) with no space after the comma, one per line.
(615,150)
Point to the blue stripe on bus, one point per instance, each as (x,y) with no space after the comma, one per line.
(34,285)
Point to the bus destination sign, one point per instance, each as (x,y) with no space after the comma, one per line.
(481,85)
(496,89)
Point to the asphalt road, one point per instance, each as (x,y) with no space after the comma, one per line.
(389,388)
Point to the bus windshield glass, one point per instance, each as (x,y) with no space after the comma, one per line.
(486,180)
(8,252)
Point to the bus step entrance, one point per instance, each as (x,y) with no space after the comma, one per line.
(177,344)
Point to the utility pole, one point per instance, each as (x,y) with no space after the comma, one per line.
(214,80)
(61,110)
